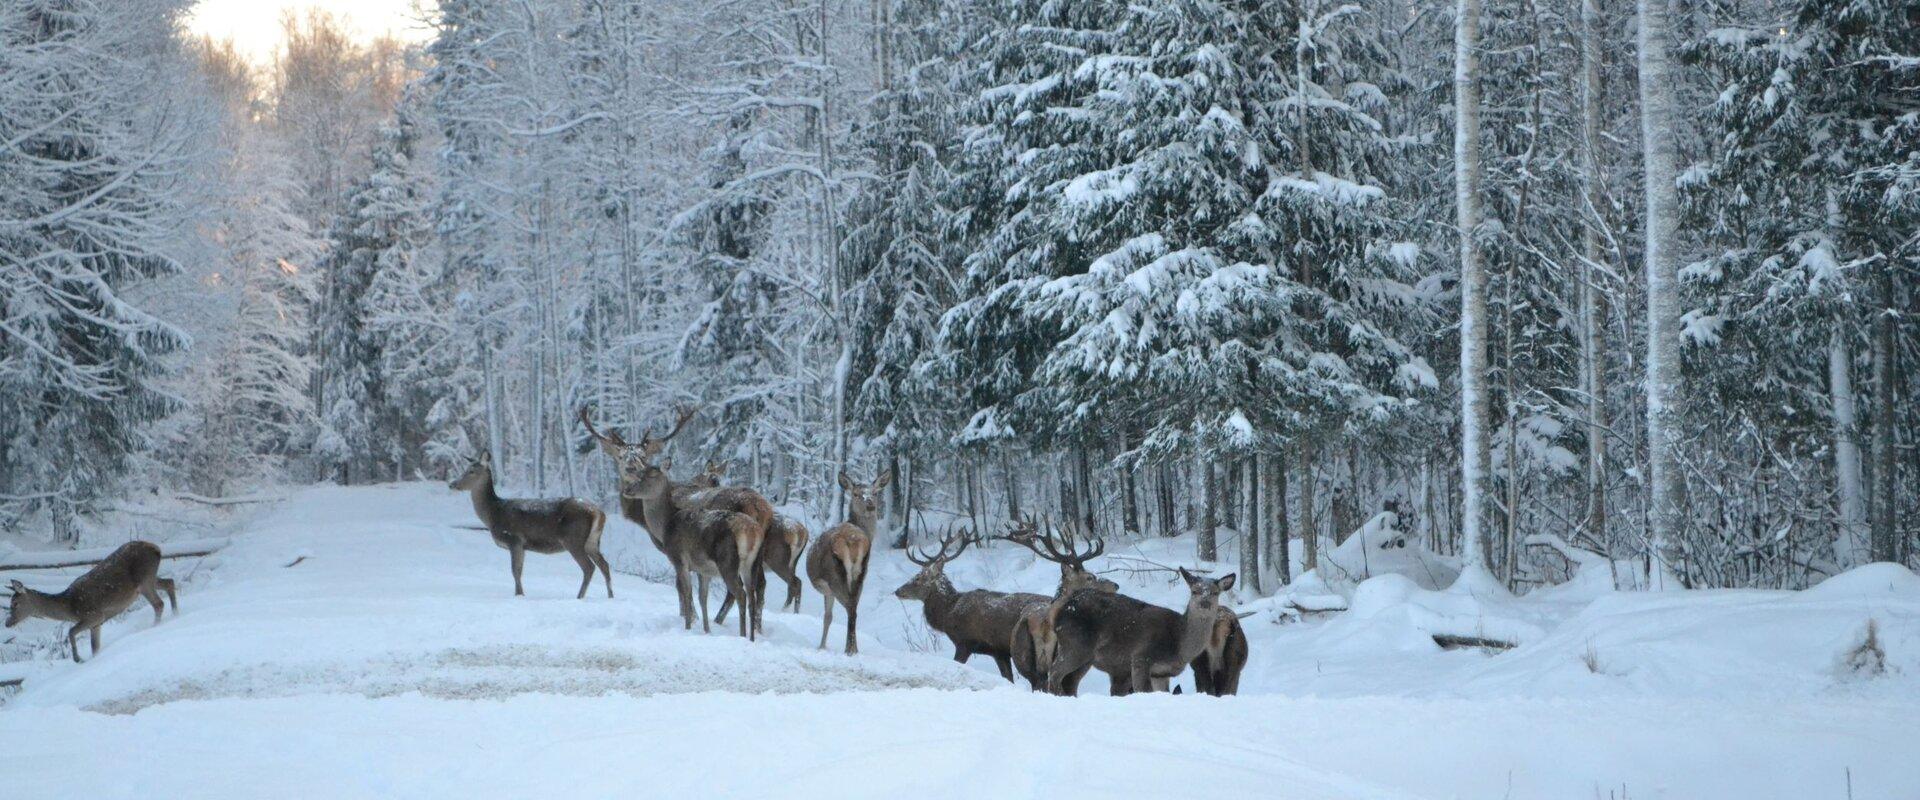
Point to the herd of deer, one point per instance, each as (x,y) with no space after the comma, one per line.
(710,531)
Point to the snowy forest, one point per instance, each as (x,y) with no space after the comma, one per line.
(1539,276)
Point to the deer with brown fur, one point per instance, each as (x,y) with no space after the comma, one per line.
(837,564)
(1033,642)
(976,621)
(1216,671)
(541,526)
(636,461)
(132,571)
(780,553)
(1141,647)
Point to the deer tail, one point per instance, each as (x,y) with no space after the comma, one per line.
(797,537)
(599,525)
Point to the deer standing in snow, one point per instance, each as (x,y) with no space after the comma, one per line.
(1141,647)
(542,526)
(837,564)
(129,572)
(976,621)
(1033,641)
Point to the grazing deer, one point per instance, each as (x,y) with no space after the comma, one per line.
(837,564)
(542,526)
(1141,647)
(636,460)
(1033,641)
(131,571)
(976,621)
(1216,671)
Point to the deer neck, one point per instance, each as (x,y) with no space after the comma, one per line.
(56,607)
(486,504)
(939,603)
(656,510)
(865,522)
(1196,632)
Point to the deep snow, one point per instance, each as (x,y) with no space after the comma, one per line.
(393,661)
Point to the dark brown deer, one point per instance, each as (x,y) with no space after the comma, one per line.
(701,540)
(129,572)
(1141,647)
(1033,642)
(976,621)
(635,460)
(1216,671)
(570,524)
(837,564)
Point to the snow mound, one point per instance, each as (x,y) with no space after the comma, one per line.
(1377,549)
(1868,581)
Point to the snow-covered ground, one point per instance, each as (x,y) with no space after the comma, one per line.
(393,661)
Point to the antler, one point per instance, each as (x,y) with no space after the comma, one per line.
(1059,549)
(614,439)
(946,540)
(652,447)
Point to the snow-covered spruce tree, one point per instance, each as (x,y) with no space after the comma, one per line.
(1194,243)
(92,142)
(359,429)
(1805,194)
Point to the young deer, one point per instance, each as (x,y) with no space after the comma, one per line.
(785,543)
(1216,671)
(542,526)
(127,573)
(636,460)
(837,564)
(1141,647)
(976,621)
(1033,640)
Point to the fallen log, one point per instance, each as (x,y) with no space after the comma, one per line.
(55,559)
(1454,642)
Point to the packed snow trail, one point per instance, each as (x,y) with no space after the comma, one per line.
(393,661)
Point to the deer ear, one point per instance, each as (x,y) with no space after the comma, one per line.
(846,482)
(17,587)
(883,481)
(1185,575)
(667,464)
(1226,583)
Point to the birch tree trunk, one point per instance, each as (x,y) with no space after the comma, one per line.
(1592,349)
(1474,460)
(1657,123)
(1850,541)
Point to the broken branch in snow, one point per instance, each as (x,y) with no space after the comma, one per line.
(1452,642)
(230,501)
(80,558)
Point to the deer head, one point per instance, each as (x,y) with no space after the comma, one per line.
(1063,548)
(932,578)
(635,460)
(21,606)
(863,499)
(1206,592)
(479,473)
(710,477)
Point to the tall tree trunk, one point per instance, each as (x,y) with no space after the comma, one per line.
(1013,484)
(1309,520)
(1883,545)
(1250,535)
(1850,543)
(1657,126)
(1129,495)
(1475,460)
(1209,520)
(1278,528)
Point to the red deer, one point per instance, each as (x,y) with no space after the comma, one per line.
(780,553)
(635,460)
(837,564)
(1033,641)
(542,526)
(976,621)
(701,540)
(129,572)
(1216,671)
(1141,647)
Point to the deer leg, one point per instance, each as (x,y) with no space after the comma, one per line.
(726,603)
(961,653)
(1006,667)
(683,583)
(519,557)
(705,626)
(73,644)
(1160,684)
(793,594)
(606,571)
(153,599)
(173,599)
(1063,675)
(853,623)
(826,619)
(93,638)
(1142,676)
(1072,682)
(586,569)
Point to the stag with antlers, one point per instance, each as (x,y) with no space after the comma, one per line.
(976,621)
(709,533)
(1032,639)
(1141,647)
